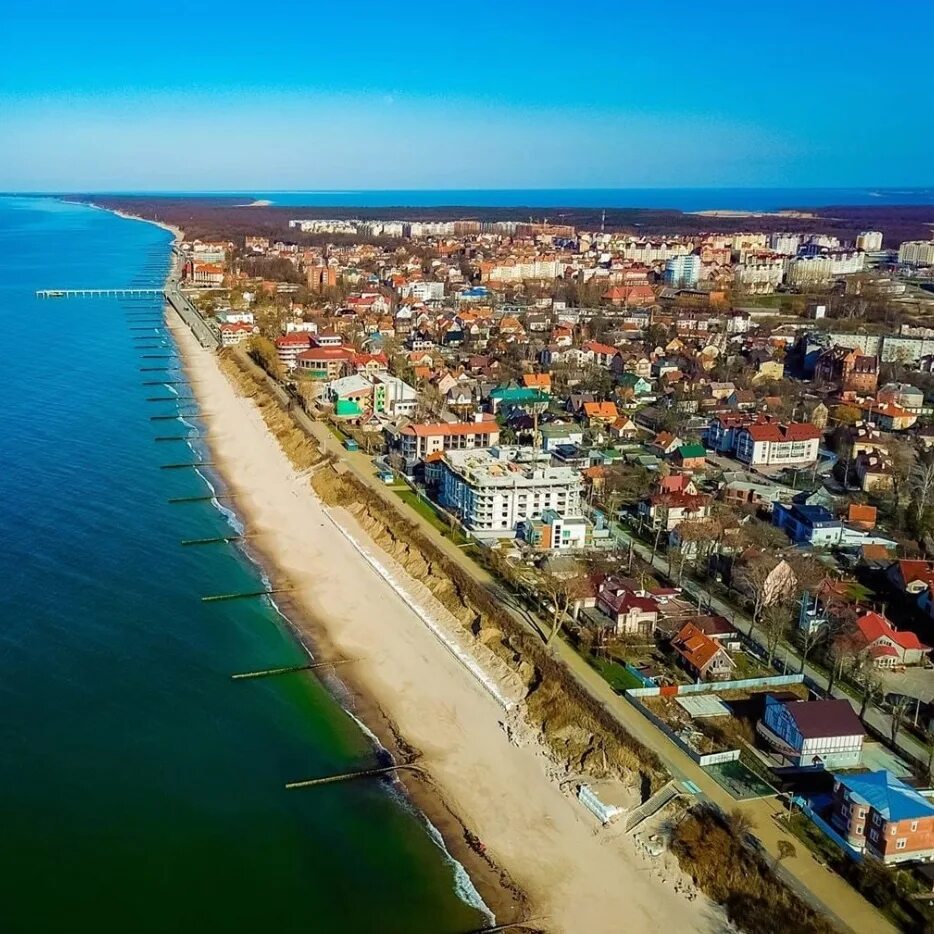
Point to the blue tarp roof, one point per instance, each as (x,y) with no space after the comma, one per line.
(890,796)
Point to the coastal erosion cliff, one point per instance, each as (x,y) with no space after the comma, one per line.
(580,736)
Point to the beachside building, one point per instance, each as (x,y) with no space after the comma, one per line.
(555,533)
(418,442)
(493,490)
(234,333)
(631,612)
(824,733)
(289,346)
(880,815)
(325,362)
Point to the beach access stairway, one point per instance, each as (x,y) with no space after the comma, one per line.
(666,794)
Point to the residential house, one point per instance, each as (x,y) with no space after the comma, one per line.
(667,510)
(880,815)
(808,525)
(700,655)
(600,414)
(690,457)
(886,646)
(824,733)
(632,612)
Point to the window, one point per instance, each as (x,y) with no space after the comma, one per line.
(900,844)
(861,813)
(914,826)
(859,828)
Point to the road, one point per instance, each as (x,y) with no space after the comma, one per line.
(821,887)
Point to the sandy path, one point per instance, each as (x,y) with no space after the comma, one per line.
(577,880)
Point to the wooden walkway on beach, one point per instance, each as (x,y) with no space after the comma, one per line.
(94,293)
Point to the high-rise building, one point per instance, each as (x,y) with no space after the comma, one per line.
(787,243)
(917,253)
(869,240)
(683,270)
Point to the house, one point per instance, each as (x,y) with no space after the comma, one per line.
(862,516)
(637,385)
(880,815)
(667,510)
(233,333)
(632,612)
(824,733)
(690,457)
(849,369)
(808,525)
(664,443)
(540,381)
(553,532)
(624,428)
(886,646)
(600,413)
(874,472)
(911,576)
(702,656)
(599,354)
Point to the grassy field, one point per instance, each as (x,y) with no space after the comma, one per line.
(432,515)
(614,674)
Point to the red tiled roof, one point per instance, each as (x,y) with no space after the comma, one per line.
(874,626)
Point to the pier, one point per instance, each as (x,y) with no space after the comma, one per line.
(97,293)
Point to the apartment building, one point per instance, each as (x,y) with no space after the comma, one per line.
(417,442)
(683,271)
(494,490)
(777,445)
(916,253)
(869,241)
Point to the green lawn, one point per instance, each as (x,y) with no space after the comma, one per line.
(614,674)
(427,511)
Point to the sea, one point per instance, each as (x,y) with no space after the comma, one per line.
(679,199)
(141,788)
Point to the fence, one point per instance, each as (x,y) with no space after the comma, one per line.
(711,687)
(701,758)
(826,829)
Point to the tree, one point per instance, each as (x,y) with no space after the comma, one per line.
(776,620)
(754,576)
(902,459)
(786,850)
(898,713)
(561,590)
(808,639)
(870,681)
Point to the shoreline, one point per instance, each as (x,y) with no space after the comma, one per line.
(549,849)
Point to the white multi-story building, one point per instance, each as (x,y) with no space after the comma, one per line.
(416,441)
(869,241)
(787,243)
(807,270)
(683,270)
(423,291)
(761,272)
(774,445)
(916,253)
(494,490)
(654,251)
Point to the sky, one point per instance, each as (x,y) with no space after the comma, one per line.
(100,96)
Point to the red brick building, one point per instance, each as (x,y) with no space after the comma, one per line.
(880,815)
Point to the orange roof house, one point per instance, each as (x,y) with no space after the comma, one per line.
(699,654)
(540,381)
(604,413)
(862,516)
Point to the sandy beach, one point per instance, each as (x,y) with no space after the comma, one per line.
(577,877)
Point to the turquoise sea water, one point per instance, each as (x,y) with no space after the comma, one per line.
(141,790)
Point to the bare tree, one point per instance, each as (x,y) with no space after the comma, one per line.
(560,590)
(776,621)
(898,714)
(754,576)
(870,681)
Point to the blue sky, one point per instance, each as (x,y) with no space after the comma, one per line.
(99,96)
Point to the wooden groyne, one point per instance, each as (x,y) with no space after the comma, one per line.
(202,499)
(350,776)
(246,595)
(178,415)
(191,465)
(171,399)
(171,438)
(288,669)
(222,539)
